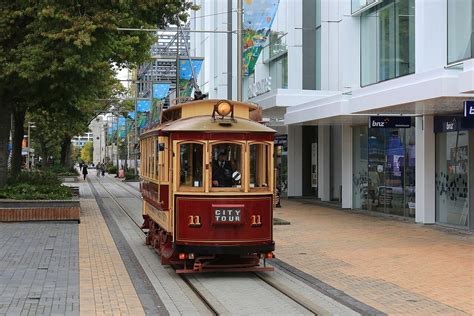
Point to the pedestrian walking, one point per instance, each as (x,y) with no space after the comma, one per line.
(98,167)
(102,169)
(84,171)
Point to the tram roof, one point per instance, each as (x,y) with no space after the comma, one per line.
(208,124)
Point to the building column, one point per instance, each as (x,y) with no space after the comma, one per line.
(324,167)
(295,153)
(471,180)
(425,168)
(346,166)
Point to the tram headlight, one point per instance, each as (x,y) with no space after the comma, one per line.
(224,108)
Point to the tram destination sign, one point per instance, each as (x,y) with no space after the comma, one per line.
(469,109)
(389,122)
(227,214)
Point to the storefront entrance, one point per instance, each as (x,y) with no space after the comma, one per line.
(384,170)
(454,142)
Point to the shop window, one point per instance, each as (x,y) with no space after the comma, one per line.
(452,175)
(226,165)
(191,165)
(259,172)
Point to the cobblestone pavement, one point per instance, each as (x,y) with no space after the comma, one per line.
(39,268)
(394,266)
(106,287)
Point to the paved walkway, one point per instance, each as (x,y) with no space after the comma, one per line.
(106,287)
(39,269)
(396,267)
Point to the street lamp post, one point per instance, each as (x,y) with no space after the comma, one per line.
(30,126)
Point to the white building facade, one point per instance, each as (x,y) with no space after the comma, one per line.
(331,66)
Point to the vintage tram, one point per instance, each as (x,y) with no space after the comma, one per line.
(208,187)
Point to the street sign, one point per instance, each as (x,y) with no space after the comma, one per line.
(469,109)
(389,122)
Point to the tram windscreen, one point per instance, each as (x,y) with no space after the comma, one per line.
(227,165)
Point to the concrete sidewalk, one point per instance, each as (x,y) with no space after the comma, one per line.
(394,266)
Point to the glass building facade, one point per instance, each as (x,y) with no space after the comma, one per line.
(387,41)
(452,178)
(460,30)
(384,170)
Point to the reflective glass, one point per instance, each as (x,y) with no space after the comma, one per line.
(459,30)
(259,156)
(452,161)
(227,165)
(387,41)
(191,163)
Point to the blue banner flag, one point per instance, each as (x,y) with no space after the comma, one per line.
(186,75)
(143,105)
(160,90)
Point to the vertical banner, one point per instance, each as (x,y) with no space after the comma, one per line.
(143,109)
(159,94)
(122,127)
(257,22)
(186,75)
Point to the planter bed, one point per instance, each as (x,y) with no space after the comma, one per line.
(23,211)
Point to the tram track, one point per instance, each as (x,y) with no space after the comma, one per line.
(208,298)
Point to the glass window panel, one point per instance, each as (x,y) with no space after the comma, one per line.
(226,165)
(191,162)
(360,174)
(368,46)
(279,72)
(405,38)
(459,30)
(452,195)
(387,41)
(259,156)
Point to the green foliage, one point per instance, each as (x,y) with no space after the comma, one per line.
(59,59)
(35,185)
(130,175)
(111,169)
(26,191)
(61,171)
(86,152)
(34,178)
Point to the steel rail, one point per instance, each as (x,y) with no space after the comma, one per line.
(291,296)
(199,295)
(120,206)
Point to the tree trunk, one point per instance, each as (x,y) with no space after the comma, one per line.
(66,152)
(18,132)
(5,124)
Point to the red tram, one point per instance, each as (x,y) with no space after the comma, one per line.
(208,187)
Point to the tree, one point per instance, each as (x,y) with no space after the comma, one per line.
(59,54)
(87,152)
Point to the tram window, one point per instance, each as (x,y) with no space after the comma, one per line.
(191,162)
(259,158)
(227,165)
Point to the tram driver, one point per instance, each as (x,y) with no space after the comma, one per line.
(222,171)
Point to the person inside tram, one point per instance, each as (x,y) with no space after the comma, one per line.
(222,171)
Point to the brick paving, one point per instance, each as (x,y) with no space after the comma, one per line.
(39,268)
(394,266)
(106,287)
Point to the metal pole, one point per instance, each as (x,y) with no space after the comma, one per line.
(136,142)
(177,65)
(229,50)
(28,152)
(239,49)
(117,147)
